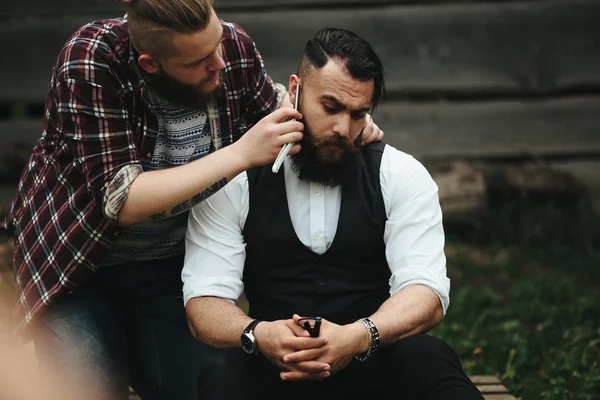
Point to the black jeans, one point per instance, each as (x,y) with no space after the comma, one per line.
(126,327)
(419,367)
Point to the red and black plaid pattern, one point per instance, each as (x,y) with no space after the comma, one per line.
(98,121)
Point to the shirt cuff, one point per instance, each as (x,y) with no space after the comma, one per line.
(439,284)
(226,288)
(118,190)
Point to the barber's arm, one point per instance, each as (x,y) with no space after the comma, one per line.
(160,194)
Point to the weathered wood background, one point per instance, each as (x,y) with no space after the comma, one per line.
(502,81)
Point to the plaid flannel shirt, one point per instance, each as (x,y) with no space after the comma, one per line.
(99,122)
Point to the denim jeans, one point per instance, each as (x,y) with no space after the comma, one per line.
(126,327)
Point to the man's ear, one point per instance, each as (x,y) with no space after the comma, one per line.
(293,87)
(148,64)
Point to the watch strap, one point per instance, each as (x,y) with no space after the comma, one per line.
(252,325)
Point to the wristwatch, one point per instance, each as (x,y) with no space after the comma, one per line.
(248,340)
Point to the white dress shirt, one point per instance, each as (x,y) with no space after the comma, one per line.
(414,235)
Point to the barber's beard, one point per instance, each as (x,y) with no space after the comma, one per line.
(177,93)
(316,163)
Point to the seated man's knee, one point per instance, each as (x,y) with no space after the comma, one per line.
(421,349)
(431,369)
(223,374)
(215,361)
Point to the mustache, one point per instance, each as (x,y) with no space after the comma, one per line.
(344,143)
(335,140)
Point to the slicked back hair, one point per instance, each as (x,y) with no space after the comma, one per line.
(355,53)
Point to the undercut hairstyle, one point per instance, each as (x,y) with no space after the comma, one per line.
(355,53)
(152,23)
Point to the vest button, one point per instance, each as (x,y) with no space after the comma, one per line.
(321,281)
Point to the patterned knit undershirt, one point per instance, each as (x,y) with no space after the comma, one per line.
(183,136)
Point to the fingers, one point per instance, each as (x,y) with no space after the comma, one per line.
(304,355)
(295,150)
(305,343)
(368,131)
(264,141)
(309,370)
(311,366)
(375,135)
(291,137)
(288,132)
(371,132)
(368,126)
(303,376)
(289,126)
(282,113)
(293,325)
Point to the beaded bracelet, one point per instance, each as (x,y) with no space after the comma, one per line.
(373,339)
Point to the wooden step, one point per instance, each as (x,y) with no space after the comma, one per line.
(491,387)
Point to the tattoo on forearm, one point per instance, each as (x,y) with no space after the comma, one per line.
(159,216)
(189,203)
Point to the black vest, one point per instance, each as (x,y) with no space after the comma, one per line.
(282,276)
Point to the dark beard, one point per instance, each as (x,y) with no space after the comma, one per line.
(330,168)
(177,93)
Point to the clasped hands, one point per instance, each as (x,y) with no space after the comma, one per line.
(301,357)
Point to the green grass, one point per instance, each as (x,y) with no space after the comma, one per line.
(525,299)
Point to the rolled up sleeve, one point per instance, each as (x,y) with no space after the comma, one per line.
(215,251)
(94,121)
(414,233)
(118,189)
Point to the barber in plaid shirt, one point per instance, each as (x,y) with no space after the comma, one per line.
(136,109)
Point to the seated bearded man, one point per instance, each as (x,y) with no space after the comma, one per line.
(348,234)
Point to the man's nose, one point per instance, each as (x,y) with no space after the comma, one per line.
(342,125)
(217,63)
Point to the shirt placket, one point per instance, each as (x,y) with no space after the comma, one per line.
(317,217)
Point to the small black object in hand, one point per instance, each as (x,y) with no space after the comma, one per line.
(311,324)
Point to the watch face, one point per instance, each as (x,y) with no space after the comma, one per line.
(248,343)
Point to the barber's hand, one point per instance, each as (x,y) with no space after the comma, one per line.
(344,342)
(278,338)
(371,132)
(261,144)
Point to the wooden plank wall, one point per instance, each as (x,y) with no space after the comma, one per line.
(466,79)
